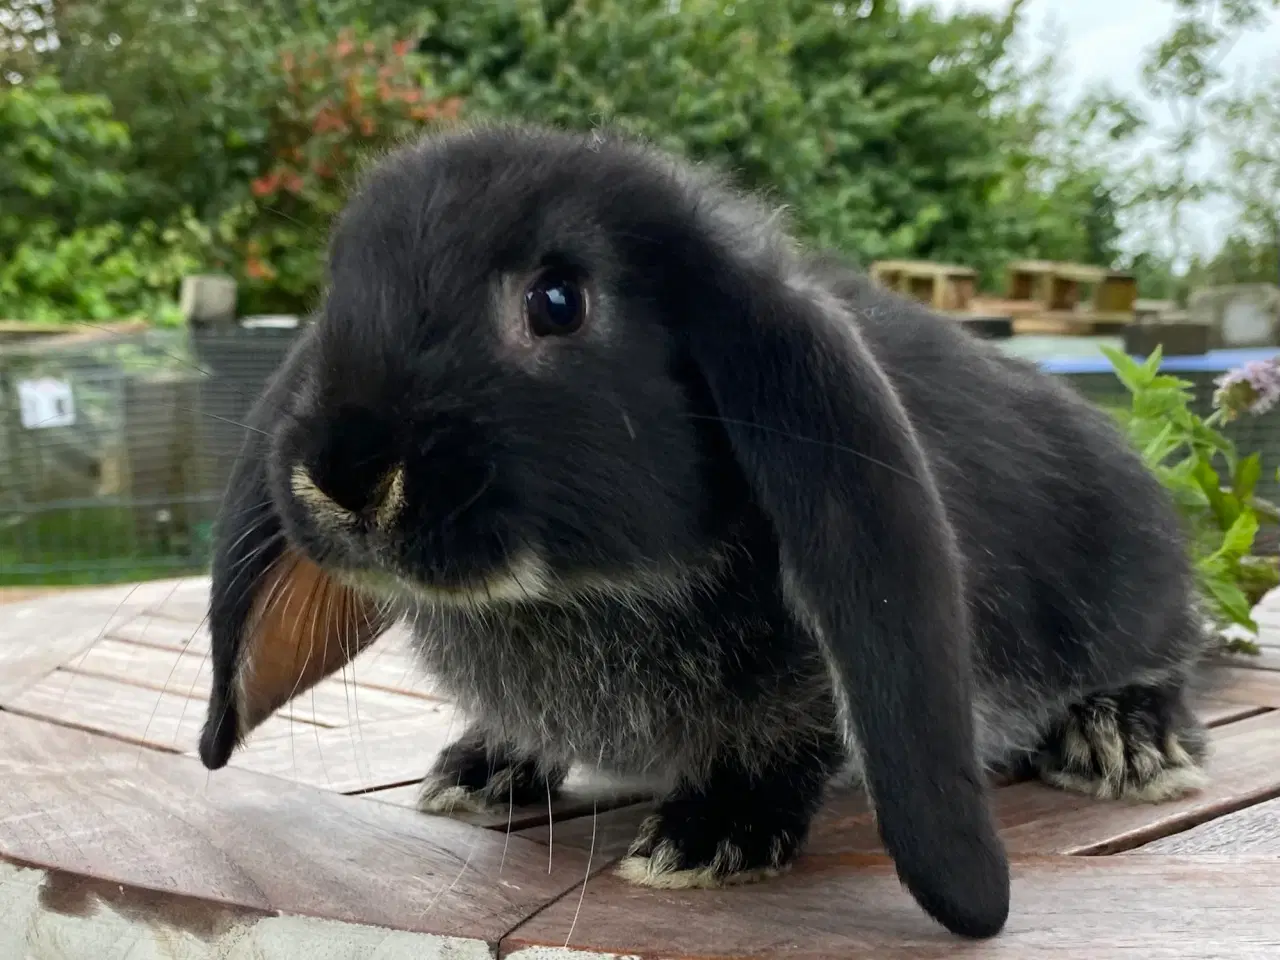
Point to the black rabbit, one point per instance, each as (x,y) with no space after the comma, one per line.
(662,493)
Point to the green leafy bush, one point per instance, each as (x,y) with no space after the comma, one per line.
(102,272)
(56,150)
(885,131)
(1212,485)
(55,154)
(335,102)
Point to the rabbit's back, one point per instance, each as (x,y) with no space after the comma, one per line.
(1076,566)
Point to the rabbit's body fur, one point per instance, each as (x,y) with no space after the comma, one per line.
(1075,576)
(754,521)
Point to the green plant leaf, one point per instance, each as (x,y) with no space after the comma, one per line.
(1248,472)
(1230,599)
(1238,540)
(1132,374)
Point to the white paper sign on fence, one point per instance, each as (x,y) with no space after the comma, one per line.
(45,403)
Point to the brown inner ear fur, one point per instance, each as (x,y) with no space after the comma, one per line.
(305,625)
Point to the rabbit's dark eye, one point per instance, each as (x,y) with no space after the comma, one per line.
(555,304)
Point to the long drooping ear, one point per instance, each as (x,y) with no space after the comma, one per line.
(279,623)
(870,564)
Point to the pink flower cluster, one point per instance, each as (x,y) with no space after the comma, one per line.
(1253,388)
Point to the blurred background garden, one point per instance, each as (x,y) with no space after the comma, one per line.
(144,143)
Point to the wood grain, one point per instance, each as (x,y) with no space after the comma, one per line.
(87,806)
(151,630)
(335,702)
(103,843)
(583,792)
(852,907)
(354,759)
(162,721)
(185,600)
(1248,686)
(608,833)
(1215,713)
(1267,659)
(389,664)
(1251,832)
(157,668)
(38,636)
(1034,818)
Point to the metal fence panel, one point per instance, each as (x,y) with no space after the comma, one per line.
(114,451)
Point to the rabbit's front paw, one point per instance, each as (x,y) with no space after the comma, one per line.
(736,827)
(680,854)
(475,776)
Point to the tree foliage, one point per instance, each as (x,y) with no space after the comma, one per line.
(884,131)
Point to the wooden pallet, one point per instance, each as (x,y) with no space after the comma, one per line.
(1070,324)
(115,843)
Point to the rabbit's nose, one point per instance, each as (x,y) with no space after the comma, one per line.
(389,500)
(351,461)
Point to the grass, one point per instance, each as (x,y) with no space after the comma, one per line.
(89,544)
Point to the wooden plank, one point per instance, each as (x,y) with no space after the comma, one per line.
(353,759)
(87,806)
(389,664)
(162,721)
(158,668)
(1244,767)
(39,635)
(1246,686)
(606,835)
(185,600)
(1267,659)
(154,631)
(1251,832)
(853,907)
(1216,713)
(583,792)
(334,702)
(95,920)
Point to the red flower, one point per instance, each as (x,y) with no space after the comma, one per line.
(258,269)
(265,185)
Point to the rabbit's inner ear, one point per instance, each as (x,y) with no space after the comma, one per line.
(305,626)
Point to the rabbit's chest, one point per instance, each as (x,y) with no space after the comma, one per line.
(636,692)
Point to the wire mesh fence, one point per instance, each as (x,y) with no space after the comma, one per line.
(115,450)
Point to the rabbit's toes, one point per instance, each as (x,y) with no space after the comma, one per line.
(674,854)
(474,776)
(1140,743)
(738,826)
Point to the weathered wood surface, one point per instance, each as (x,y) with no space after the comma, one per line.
(116,843)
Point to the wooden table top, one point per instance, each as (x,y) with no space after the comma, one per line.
(116,844)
